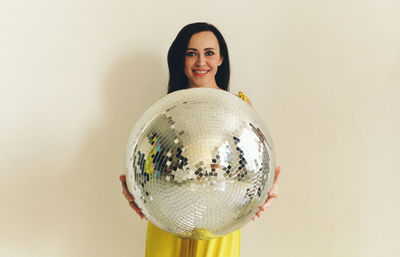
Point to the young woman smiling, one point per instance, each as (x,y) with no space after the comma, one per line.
(198,57)
(202,60)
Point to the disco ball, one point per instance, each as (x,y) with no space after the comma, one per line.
(199,163)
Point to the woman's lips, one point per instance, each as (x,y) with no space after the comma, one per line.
(200,73)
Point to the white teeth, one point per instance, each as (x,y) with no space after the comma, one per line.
(201,72)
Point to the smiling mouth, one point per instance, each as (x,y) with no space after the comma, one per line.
(201,72)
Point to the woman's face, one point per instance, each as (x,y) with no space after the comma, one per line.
(202,60)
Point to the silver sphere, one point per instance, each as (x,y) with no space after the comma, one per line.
(199,163)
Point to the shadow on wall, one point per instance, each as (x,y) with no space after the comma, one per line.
(108,226)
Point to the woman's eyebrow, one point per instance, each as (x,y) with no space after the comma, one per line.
(194,49)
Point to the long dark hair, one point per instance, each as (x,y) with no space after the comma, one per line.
(177,52)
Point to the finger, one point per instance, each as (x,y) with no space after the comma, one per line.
(122,178)
(277,172)
(135,207)
(128,195)
(273,194)
(125,190)
(263,206)
(123,182)
(137,210)
(266,204)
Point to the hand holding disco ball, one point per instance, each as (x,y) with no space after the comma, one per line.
(200,164)
(130,198)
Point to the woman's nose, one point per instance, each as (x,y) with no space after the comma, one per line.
(201,60)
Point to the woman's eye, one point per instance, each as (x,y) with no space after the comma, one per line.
(208,53)
(190,54)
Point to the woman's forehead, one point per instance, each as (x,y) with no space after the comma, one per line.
(202,40)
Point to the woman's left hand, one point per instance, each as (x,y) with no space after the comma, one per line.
(273,193)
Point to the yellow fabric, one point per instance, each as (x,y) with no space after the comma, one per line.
(243,96)
(160,243)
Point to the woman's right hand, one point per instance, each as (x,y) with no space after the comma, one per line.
(130,197)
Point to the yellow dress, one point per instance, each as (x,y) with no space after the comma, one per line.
(160,243)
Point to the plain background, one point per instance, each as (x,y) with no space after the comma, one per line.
(76,75)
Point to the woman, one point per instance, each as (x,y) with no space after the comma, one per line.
(198,57)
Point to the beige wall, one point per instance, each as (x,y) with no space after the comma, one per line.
(75,76)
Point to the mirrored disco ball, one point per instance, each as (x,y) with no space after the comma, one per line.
(199,163)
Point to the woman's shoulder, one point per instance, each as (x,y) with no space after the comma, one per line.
(244,97)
